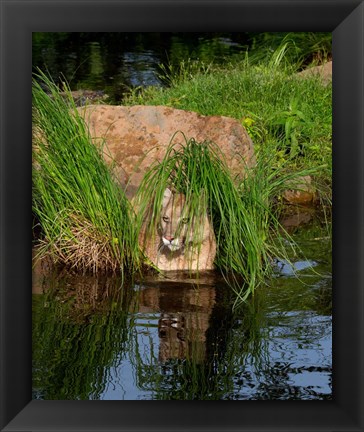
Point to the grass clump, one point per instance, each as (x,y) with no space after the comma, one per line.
(300,48)
(84,216)
(245,227)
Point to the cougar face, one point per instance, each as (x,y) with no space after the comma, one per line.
(180,241)
(174,221)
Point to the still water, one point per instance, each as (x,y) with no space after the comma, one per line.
(102,339)
(117,62)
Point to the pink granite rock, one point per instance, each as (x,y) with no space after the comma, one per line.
(323,71)
(136,136)
(301,192)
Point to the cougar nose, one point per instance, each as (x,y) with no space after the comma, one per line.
(169,238)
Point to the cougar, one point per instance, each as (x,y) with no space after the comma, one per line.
(179,243)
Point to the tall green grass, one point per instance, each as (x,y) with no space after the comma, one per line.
(84,216)
(300,48)
(243,212)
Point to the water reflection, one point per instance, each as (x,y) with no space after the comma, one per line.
(100,338)
(115,62)
(140,69)
(183,318)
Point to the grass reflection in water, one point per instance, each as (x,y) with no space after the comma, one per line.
(98,339)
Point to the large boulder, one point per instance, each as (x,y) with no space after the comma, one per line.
(136,136)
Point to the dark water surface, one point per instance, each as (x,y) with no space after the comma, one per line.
(116,62)
(97,338)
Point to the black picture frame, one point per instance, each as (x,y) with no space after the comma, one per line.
(18,20)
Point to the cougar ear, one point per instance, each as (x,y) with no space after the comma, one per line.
(166,197)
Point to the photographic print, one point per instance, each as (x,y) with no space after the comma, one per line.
(182,216)
(220,141)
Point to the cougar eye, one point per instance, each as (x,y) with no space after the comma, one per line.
(165,218)
(184,220)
